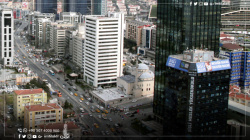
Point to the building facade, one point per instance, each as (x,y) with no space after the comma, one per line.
(7,36)
(32,18)
(181,25)
(42,114)
(42,32)
(71,17)
(196,94)
(26,97)
(103,49)
(140,84)
(81,6)
(78,50)
(240,73)
(46,6)
(99,7)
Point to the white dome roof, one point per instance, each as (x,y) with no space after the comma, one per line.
(142,67)
(147,75)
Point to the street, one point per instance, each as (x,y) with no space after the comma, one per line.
(56,84)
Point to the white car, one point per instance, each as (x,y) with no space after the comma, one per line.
(87,103)
(82,110)
(71,93)
(80,100)
(133,101)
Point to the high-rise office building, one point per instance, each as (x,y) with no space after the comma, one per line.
(196,94)
(7,36)
(181,25)
(99,7)
(239,60)
(103,49)
(81,6)
(46,6)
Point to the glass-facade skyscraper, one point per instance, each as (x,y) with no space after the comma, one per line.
(81,6)
(182,25)
(46,6)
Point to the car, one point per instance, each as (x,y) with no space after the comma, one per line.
(87,103)
(97,110)
(47,72)
(10,126)
(90,115)
(66,80)
(58,78)
(107,132)
(80,101)
(71,93)
(63,86)
(82,110)
(133,101)
(132,115)
(96,125)
(76,89)
(110,119)
(99,116)
(112,129)
(81,98)
(75,94)
(92,110)
(127,113)
(69,89)
(108,125)
(116,125)
(103,133)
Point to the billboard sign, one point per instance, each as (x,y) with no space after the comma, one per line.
(177,64)
(213,66)
(25,5)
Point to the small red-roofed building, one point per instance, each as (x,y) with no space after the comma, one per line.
(26,97)
(42,114)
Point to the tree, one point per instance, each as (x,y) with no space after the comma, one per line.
(66,105)
(70,106)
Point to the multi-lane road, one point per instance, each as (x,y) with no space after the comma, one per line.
(56,84)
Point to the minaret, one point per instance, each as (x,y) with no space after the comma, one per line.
(136,73)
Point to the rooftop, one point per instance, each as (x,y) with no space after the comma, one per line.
(239,107)
(128,78)
(110,94)
(153,11)
(41,107)
(60,126)
(199,61)
(28,91)
(230,46)
(142,67)
(226,39)
(225,35)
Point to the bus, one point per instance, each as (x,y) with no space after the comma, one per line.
(51,72)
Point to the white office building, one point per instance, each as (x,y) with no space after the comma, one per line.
(78,47)
(7,36)
(103,49)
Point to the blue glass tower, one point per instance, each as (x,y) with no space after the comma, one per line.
(46,6)
(82,6)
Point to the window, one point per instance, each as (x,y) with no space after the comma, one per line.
(141,89)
